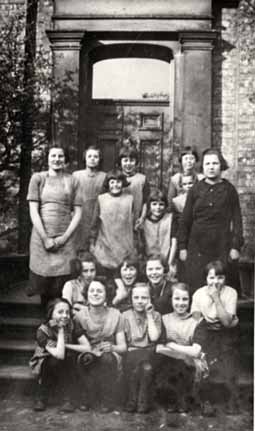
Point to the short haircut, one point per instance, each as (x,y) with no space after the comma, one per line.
(115,174)
(223,163)
(158,257)
(141,284)
(130,261)
(181,286)
(76,263)
(156,195)
(128,149)
(218,266)
(52,304)
(189,150)
(61,147)
(95,148)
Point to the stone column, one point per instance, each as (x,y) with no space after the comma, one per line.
(196,92)
(65,97)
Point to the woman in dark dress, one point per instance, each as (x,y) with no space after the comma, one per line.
(211,224)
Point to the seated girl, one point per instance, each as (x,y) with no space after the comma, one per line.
(216,304)
(176,373)
(75,290)
(160,286)
(159,230)
(142,328)
(51,359)
(104,332)
(128,275)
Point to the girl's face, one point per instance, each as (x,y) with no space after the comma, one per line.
(115,186)
(96,294)
(128,274)
(188,162)
(154,271)
(56,159)
(211,166)
(187,183)
(140,298)
(61,313)
(157,209)
(88,272)
(128,165)
(92,158)
(215,280)
(180,301)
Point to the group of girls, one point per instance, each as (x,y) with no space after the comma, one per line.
(104,319)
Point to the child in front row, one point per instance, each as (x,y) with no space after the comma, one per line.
(53,359)
(160,231)
(113,223)
(179,357)
(217,333)
(138,185)
(142,325)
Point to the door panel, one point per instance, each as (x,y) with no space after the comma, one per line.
(149,122)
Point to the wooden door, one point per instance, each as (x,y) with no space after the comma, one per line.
(149,121)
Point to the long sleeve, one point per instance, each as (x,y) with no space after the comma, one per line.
(186,221)
(237,226)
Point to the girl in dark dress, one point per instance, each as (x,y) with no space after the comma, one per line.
(211,224)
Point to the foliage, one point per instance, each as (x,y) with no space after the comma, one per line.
(13,89)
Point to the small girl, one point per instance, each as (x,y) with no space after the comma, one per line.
(75,290)
(90,180)
(183,354)
(112,228)
(128,275)
(138,185)
(51,359)
(159,230)
(142,328)
(187,181)
(217,334)
(160,286)
(188,160)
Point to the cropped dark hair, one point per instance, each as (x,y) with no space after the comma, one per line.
(76,263)
(95,148)
(130,261)
(223,163)
(128,149)
(158,196)
(64,149)
(160,259)
(115,174)
(218,266)
(189,150)
(52,304)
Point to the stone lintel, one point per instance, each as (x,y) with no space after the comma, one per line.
(65,40)
(197,40)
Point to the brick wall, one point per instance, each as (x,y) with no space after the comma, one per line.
(234,108)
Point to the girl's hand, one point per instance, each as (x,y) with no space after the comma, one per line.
(213,291)
(234,254)
(49,244)
(59,241)
(105,346)
(172,272)
(149,308)
(183,255)
(92,246)
(139,222)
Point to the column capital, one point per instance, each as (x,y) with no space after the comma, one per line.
(65,40)
(197,40)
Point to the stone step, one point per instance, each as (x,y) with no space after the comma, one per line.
(16,352)
(19,327)
(16,303)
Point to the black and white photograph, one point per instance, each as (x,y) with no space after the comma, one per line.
(127,234)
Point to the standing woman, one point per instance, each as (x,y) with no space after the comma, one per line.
(55,211)
(91,181)
(211,224)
